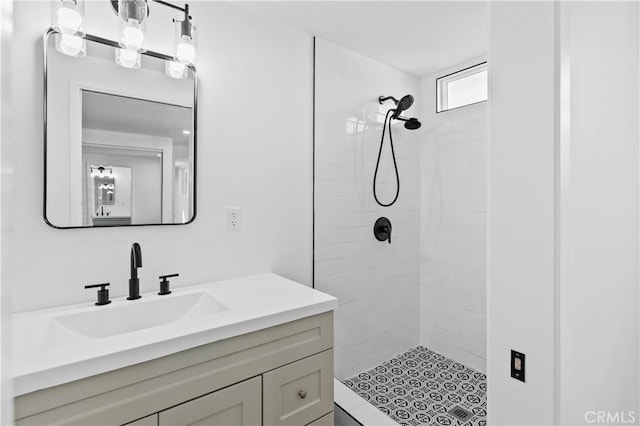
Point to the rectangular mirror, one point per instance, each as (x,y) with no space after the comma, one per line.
(120,144)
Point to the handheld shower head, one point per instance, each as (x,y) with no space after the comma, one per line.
(405,103)
(402,105)
(409,123)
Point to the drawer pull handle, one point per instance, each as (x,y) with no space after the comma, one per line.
(302,394)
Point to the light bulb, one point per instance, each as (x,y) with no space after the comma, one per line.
(69,20)
(186,41)
(71,45)
(132,38)
(128,58)
(175,69)
(185,53)
(67,16)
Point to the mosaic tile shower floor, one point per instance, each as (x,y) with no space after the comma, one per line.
(420,386)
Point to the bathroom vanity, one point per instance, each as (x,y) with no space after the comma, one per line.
(249,351)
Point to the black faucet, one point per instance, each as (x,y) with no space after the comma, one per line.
(136,262)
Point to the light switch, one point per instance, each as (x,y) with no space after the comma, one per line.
(517,365)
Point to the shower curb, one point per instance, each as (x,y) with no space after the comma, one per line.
(358,408)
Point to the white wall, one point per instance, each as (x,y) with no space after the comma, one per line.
(521,211)
(377,284)
(453,318)
(6,109)
(563,212)
(254,151)
(599,211)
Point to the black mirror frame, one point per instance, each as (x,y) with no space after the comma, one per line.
(151,53)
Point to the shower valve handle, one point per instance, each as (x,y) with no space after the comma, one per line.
(385,229)
(382,229)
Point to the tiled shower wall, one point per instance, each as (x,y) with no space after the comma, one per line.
(454,213)
(377,283)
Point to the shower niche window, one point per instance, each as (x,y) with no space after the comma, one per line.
(461,88)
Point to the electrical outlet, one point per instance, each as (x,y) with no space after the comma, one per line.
(233,219)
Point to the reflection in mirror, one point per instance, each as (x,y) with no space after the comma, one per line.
(104,189)
(120,143)
(100,196)
(107,190)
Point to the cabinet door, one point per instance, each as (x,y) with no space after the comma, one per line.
(300,392)
(237,405)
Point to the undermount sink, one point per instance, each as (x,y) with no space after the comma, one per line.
(128,317)
(62,344)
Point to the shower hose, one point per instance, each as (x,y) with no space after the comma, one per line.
(387,122)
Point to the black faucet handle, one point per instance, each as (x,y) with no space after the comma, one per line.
(164,277)
(164,284)
(102,286)
(103,293)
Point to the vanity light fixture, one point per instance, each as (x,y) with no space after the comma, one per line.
(67,16)
(100,170)
(185,39)
(185,46)
(131,36)
(131,32)
(132,25)
(186,132)
(175,69)
(128,58)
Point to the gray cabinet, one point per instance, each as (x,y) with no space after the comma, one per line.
(251,379)
(323,421)
(298,393)
(237,405)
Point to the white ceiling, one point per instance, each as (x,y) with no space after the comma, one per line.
(418,37)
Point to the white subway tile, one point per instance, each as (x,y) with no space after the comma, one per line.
(327,268)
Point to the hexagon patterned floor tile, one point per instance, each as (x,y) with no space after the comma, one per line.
(421,387)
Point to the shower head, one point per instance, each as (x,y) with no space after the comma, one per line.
(405,103)
(402,105)
(412,124)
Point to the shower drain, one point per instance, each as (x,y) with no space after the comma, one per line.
(460,413)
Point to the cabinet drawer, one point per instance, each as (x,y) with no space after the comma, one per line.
(237,405)
(300,392)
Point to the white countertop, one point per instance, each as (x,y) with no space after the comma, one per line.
(253,303)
